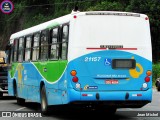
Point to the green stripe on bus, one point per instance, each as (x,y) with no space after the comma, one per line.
(51,70)
(13,69)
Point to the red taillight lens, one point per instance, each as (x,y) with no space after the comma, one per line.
(146,18)
(74,16)
(147,79)
(75,79)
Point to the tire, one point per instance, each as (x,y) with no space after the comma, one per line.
(44,103)
(15,89)
(20,101)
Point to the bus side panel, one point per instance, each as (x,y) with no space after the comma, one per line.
(26,76)
(55,81)
(65,92)
(17,77)
(54,96)
(11,78)
(33,82)
(10,86)
(58,95)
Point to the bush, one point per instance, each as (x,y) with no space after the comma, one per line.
(155,72)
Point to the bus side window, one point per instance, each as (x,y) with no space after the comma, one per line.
(35,54)
(15,50)
(65,42)
(44,45)
(28,48)
(20,49)
(54,45)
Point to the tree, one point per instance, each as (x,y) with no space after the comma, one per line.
(152,9)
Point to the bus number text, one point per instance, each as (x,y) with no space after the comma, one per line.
(92,59)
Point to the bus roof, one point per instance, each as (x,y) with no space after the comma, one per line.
(67,18)
(40,27)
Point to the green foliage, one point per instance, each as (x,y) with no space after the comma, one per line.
(8,24)
(36,19)
(152,9)
(155,72)
(108,6)
(149,7)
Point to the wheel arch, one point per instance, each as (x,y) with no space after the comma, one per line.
(14,87)
(41,85)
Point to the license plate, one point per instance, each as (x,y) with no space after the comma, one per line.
(111,81)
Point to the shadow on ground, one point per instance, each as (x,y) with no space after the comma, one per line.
(6,97)
(65,113)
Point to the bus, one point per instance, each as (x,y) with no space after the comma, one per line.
(101,59)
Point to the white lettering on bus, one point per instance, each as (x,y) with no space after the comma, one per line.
(92,59)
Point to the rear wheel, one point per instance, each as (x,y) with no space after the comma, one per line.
(44,103)
(20,101)
(14,89)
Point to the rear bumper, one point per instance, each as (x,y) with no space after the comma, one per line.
(116,104)
(113,98)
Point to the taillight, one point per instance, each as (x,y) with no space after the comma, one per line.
(149,73)
(146,18)
(73,73)
(147,79)
(75,78)
(74,16)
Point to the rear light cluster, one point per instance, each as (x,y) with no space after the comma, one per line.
(74,16)
(147,78)
(146,18)
(75,78)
